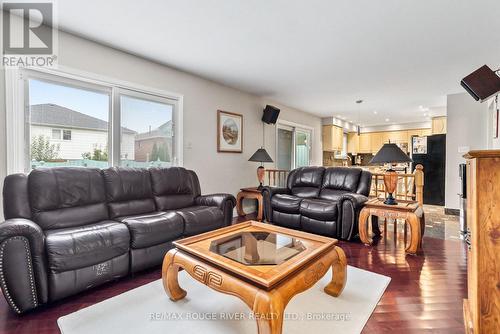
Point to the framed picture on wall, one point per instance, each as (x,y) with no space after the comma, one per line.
(229,132)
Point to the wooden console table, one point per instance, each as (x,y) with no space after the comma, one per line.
(411,211)
(252,193)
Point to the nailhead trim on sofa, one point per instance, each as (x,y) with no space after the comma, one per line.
(3,284)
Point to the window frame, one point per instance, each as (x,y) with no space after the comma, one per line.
(17,110)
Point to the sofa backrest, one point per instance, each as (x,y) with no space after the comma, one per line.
(339,180)
(66,197)
(305,181)
(174,187)
(365,183)
(128,191)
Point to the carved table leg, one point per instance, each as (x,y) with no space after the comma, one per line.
(339,276)
(375,225)
(422,224)
(269,310)
(416,236)
(239,204)
(260,209)
(170,271)
(363,227)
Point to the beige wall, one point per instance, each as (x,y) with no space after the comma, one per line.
(218,172)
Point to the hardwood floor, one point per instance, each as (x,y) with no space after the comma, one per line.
(424,296)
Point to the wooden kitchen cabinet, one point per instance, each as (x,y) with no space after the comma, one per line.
(333,138)
(372,142)
(376,142)
(439,125)
(352,143)
(365,143)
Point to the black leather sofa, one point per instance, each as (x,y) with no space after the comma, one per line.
(320,200)
(70,229)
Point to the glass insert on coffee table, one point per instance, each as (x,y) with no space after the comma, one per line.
(258,248)
(264,265)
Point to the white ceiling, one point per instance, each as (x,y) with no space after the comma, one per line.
(316,55)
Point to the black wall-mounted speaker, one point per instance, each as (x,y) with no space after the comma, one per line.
(270,115)
(482,84)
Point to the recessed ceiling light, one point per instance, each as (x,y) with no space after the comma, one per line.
(420,107)
(425,114)
(375,112)
(387,120)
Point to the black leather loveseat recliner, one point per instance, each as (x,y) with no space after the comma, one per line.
(69,229)
(319,200)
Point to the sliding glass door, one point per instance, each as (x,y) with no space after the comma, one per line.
(302,147)
(293,147)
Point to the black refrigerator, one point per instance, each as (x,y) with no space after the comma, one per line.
(430,151)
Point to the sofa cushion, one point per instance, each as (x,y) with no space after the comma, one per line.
(323,227)
(199,219)
(173,188)
(319,209)
(153,228)
(128,191)
(67,196)
(332,194)
(286,203)
(305,181)
(341,178)
(78,247)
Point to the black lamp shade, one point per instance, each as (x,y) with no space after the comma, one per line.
(390,153)
(260,156)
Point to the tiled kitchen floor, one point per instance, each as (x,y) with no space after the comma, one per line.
(437,224)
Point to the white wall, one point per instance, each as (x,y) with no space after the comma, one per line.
(493,143)
(467,129)
(218,172)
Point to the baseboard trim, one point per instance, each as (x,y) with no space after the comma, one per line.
(452,212)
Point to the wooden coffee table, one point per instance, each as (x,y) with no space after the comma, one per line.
(263,265)
(409,211)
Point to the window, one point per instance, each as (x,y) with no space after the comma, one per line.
(147,131)
(73,121)
(293,146)
(84,113)
(56,134)
(66,134)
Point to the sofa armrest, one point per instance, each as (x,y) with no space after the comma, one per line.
(23,274)
(357,200)
(350,205)
(225,202)
(267,194)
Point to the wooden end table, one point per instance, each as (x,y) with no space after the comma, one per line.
(262,264)
(410,211)
(252,193)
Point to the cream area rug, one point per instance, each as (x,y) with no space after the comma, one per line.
(147,309)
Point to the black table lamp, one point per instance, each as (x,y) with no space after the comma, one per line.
(390,154)
(260,156)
